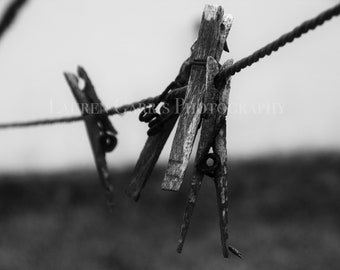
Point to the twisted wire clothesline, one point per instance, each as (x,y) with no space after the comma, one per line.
(113,111)
(267,50)
(220,79)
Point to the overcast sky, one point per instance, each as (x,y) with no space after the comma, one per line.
(132,49)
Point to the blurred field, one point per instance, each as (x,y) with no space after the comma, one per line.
(284,214)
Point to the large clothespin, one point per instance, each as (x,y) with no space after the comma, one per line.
(210,42)
(206,99)
(213,137)
(100,131)
(159,134)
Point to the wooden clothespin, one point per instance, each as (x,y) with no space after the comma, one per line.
(206,98)
(213,136)
(157,140)
(211,41)
(150,154)
(101,132)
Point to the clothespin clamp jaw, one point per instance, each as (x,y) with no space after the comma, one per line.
(108,133)
(101,133)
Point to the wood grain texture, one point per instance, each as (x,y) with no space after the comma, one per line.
(207,44)
(212,135)
(221,187)
(220,148)
(155,144)
(207,138)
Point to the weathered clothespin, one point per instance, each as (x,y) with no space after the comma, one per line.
(100,131)
(210,42)
(207,100)
(150,154)
(159,132)
(213,136)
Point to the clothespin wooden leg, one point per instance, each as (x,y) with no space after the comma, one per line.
(208,134)
(99,128)
(221,184)
(150,154)
(208,44)
(220,148)
(221,187)
(205,143)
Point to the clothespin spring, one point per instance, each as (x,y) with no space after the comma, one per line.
(209,169)
(108,140)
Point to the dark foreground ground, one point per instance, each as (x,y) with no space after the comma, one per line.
(284,214)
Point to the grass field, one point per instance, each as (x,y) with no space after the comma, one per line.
(284,214)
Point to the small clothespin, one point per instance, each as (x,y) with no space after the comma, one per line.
(151,152)
(160,126)
(210,42)
(100,131)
